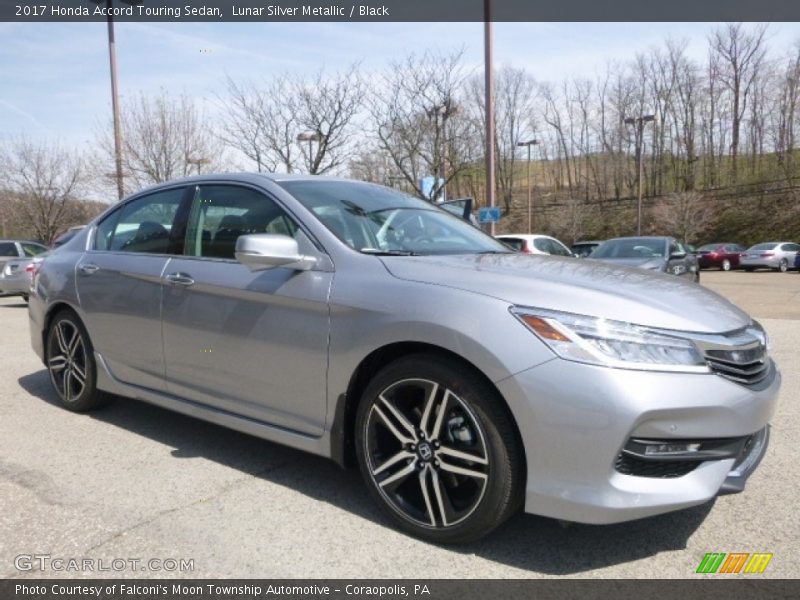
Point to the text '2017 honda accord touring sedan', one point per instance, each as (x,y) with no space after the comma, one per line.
(467,381)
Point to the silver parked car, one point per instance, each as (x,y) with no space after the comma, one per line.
(16,261)
(355,322)
(770,255)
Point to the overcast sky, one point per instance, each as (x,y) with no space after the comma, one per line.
(54,80)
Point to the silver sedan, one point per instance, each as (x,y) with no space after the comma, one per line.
(355,322)
(770,255)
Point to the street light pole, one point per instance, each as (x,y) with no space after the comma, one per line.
(310,137)
(639,122)
(489,91)
(529,143)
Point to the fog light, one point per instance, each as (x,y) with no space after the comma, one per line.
(670,449)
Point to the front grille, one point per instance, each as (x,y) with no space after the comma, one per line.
(660,469)
(740,356)
(742,366)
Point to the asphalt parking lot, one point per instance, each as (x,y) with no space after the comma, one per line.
(135,481)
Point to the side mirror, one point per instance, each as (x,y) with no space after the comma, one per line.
(678,255)
(261,251)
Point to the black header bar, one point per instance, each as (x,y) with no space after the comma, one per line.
(399,10)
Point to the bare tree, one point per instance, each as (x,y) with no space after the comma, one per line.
(163,138)
(328,107)
(41,181)
(684,215)
(740,54)
(515,94)
(420,122)
(263,122)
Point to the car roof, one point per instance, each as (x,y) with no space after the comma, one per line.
(244,177)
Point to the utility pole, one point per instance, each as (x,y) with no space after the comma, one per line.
(310,137)
(112,61)
(529,143)
(640,122)
(489,91)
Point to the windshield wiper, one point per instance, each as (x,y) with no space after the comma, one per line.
(496,252)
(377,252)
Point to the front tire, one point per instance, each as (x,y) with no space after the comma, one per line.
(70,362)
(438,449)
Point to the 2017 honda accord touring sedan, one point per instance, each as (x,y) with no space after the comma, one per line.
(466,381)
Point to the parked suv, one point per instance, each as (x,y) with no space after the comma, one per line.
(467,381)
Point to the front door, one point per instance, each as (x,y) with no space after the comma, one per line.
(251,343)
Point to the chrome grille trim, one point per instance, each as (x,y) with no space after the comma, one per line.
(740,356)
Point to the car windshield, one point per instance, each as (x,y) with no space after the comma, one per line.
(763,247)
(631,248)
(377,220)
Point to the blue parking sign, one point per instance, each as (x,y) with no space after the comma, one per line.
(489,214)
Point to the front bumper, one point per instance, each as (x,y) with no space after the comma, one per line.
(575,420)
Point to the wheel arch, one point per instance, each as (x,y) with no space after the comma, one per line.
(51,312)
(343,426)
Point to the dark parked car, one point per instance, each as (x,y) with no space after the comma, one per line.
(66,236)
(663,254)
(584,249)
(797,261)
(720,256)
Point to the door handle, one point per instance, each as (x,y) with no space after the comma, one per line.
(180,279)
(88,269)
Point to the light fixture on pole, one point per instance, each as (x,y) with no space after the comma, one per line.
(112,61)
(310,137)
(529,143)
(640,122)
(446,110)
(197,162)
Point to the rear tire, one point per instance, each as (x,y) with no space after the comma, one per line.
(783,266)
(69,357)
(438,450)
(726,265)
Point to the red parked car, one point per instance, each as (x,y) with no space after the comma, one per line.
(719,256)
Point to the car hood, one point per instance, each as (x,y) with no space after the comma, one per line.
(585,287)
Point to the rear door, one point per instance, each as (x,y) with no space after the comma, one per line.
(119,284)
(251,343)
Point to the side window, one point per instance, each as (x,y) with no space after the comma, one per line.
(222,213)
(143,225)
(556,249)
(33,249)
(792,247)
(542,245)
(8,249)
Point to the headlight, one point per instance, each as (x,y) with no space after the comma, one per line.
(612,343)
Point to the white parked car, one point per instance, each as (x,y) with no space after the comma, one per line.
(534,244)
